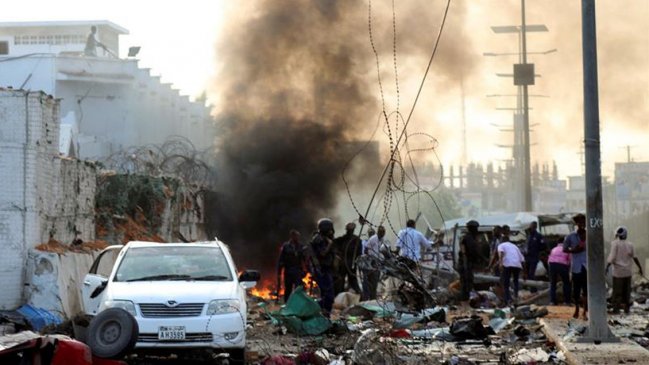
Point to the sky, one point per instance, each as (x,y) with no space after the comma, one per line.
(178,40)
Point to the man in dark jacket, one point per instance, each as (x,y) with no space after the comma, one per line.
(468,259)
(535,247)
(348,248)
(322,261)
(291,261)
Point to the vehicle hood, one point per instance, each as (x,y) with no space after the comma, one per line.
(180,291)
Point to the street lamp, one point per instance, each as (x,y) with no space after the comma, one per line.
(493,54)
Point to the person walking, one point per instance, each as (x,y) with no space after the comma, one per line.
(468,258)
(348,249)
(374,249)
(322,261)
(575,245)
(511,263)
(291,263)
(621,258)
(535,245)
(559,263)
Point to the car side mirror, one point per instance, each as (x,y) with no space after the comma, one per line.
(99,289)
(249,275)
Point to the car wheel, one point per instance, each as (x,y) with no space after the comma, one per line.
(237,356)
(112,333)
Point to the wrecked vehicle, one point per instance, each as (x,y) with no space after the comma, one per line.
(182,295)
(551,226)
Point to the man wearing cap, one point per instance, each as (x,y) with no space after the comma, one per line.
(468,258)
(575,245)
(621,258)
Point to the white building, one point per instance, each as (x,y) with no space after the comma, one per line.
(107,103)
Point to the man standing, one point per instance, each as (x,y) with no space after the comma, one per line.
(322,262)
(468,258)
(410,242)
(511,263)
(371,274)
(575,244)
(291,261)
(348,248)
(496,239)
(535,246)
(621,258)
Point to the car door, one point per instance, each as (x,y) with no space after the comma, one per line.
(95,282)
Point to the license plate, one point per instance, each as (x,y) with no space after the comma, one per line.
(171,333)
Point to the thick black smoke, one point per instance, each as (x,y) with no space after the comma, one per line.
(294,95)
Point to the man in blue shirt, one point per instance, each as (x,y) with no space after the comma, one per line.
(575,245)
(410,242)
(535,246)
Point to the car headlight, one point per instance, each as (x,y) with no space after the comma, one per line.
(126,305)
(223,306)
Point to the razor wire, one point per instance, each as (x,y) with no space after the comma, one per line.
(176,157)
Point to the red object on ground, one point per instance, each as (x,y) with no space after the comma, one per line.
(400,333)
(72,352)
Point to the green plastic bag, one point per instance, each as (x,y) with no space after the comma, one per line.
(300,305)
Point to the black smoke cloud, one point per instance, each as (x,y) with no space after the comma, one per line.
(294,94)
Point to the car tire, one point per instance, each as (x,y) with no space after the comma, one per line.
(237,357)
(112,334)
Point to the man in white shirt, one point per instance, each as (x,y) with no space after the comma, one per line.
(622,257)
(511,264)
(371,273)
(410,242)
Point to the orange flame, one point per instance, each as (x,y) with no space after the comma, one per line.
(309,282)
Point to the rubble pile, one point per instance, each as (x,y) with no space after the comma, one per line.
(385,332)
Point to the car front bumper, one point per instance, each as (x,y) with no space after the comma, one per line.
(222,331)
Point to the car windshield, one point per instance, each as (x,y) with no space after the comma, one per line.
(174,263)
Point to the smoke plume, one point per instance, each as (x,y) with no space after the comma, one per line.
(294,95)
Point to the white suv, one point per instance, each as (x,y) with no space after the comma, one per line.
(182,295)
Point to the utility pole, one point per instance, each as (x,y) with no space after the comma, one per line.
(598,330)
(527,180)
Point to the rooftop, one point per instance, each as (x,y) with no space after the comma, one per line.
(65,23)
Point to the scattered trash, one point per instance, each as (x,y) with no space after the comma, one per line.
(38,318)
(469,328)
(529,356)
(346,299)
(530,312)
(371,349)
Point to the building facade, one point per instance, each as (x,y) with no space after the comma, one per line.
(108,103)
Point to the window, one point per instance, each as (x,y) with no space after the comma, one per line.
(4,48)
(174,263)
(51,39)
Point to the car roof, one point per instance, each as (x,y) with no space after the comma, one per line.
(139,244)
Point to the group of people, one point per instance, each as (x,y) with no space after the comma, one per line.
(335,262)
(566,261)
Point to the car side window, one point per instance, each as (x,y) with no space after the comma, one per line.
(103,265)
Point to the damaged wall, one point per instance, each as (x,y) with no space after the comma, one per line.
(43,196)
(54,280)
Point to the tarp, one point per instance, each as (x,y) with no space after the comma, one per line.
(301,315)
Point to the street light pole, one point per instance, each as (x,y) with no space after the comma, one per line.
(598,330)
(527,179)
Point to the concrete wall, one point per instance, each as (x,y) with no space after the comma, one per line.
(54,280)
(42,195)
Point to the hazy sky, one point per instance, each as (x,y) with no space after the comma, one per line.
(178,42)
